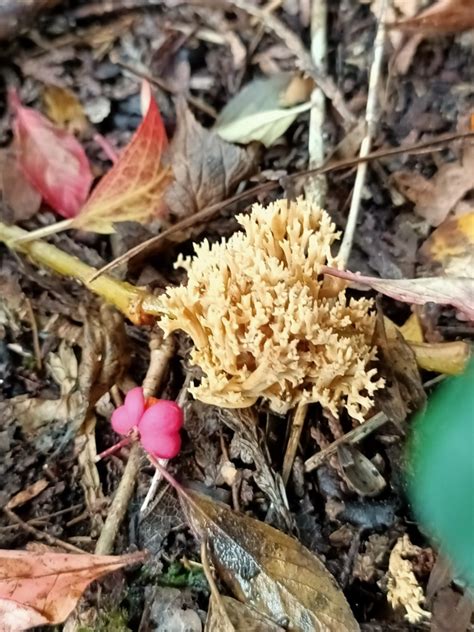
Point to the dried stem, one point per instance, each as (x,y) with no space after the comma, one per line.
(160,354)
(316,186)
(297,423)
(371,124)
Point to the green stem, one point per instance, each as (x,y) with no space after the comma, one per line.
(126,297)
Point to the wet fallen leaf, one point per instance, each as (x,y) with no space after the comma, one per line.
(411,329)
(43,589)
(16,15)
(52,159)
(268,569)
(238,617)
(133,189)
(206,169)
(434,198)
(403,391)
(449,358)
(451,245)
(20,199)
(64,108)
(359,472)
(260,112)
(455,291)
(444,16)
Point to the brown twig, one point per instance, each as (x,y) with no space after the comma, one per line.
(159,83)
(34,332)
(297,423)
(40,535)
(160,354)
(371,120)
(208,212)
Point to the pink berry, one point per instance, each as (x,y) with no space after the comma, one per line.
(162,445)
(159,429)
(126,417)
(164,416)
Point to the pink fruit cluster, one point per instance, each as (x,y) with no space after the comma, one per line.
(158,422)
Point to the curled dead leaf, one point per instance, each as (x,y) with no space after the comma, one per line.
(269,570)
(206,169)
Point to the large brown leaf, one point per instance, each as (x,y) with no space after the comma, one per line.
(233,616)
(206,169)
(41,589)
(268,569)
(444,16)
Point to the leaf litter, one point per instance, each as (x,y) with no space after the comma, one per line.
(92,361)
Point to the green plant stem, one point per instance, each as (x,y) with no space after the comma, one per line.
(124,296)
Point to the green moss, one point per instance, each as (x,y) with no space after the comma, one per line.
(113,621)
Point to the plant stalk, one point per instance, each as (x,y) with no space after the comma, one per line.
(127,298)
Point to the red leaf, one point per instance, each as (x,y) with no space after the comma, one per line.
(455,291)
(133,188)
(52,160)
(41,589)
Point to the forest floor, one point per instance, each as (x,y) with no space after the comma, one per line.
(67,359)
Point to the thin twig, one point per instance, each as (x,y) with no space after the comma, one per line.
(41,535)
(159,83)
(34,332)
(205,214)
(160,354)
(371,125)
(354,436)
(297,423)
(315,187)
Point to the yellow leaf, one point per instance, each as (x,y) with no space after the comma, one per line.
(450,358)
(64,108)
(411,329)
(452,246)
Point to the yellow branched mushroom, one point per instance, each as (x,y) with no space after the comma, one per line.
(265,323)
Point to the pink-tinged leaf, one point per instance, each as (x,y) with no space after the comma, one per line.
(455,291)
(133,189)
(40,589)
(52,160)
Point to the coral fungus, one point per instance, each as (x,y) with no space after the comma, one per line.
(264,321)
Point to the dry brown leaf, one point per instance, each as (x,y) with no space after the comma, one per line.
(238,617)
(403,589)
(64,108)
(436,197)
(451,245)
(444,16)
(359,472)
(403,392)
(43,589)
(206,169)
(268,569)
(20,199)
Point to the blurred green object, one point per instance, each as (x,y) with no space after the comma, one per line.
(441,471)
